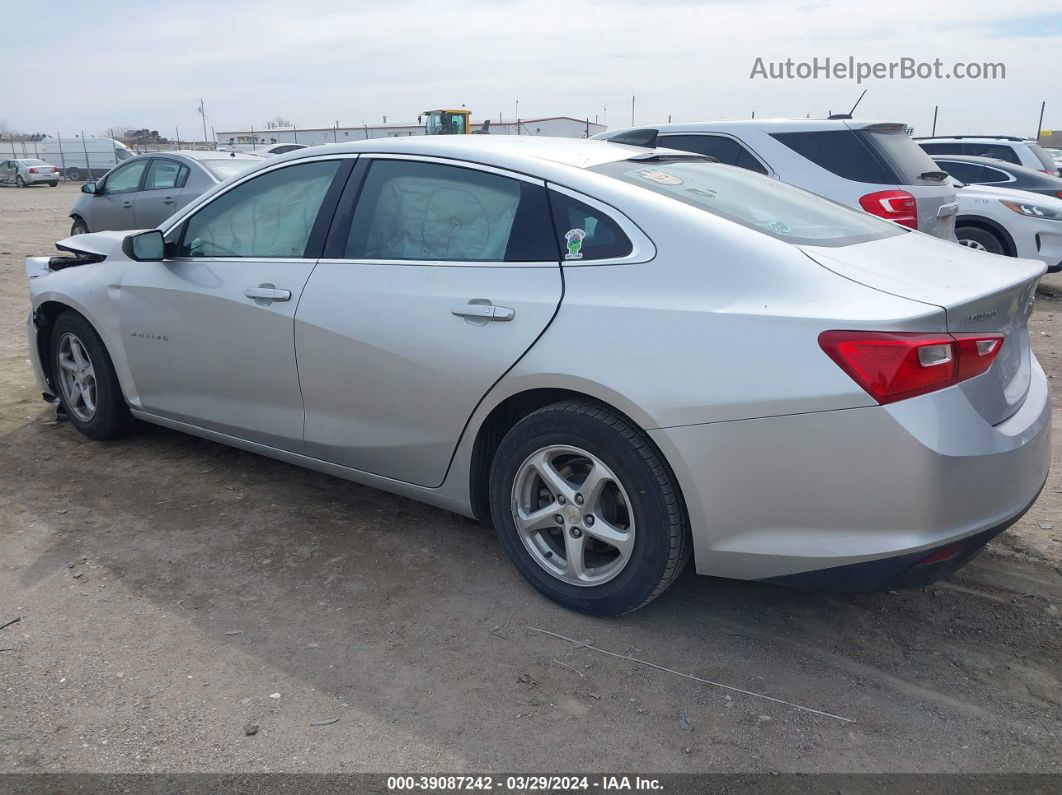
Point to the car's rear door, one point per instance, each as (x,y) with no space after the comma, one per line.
(160,194)
(433,285)
(209,331)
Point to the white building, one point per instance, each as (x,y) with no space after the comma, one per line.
(558,126)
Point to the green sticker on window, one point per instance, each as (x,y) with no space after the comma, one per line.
(574,240)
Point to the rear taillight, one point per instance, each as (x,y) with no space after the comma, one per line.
(33,171)
(1059,194)
(55,169)
(892,365)
(892,205)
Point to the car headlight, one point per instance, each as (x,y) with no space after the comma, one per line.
(1032,210)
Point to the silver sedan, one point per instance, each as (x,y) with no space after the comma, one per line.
(144,191)
(619,357)
(24,172)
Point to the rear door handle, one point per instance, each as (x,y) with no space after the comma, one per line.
(127,205)
(483,312)
(168,200)
(267,293)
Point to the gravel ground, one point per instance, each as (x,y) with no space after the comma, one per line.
(189,607)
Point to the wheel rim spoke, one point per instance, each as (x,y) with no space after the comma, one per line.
(574,552)
(541,519)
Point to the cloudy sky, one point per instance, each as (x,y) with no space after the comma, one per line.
(322,61)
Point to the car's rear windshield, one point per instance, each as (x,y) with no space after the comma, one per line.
(883,155)
(774,208)
(229,167)
(1042,155)
(33,162)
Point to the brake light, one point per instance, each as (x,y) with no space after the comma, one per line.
(55,169)
(892,205)
(33,171)
(892,365)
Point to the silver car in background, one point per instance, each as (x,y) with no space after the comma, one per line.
(24,172)
(146,190)
(619,357)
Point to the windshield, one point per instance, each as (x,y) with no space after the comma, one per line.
(229,167)
(122,154)
(757,202)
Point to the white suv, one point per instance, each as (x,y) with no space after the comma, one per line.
(1012,149)
(873,166)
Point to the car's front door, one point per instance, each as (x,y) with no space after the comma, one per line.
(209,331)
(160,195)
(431,288)
(112,204)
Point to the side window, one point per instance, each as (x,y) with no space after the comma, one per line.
(942,148)
(964,172)
(998,151)
(269,216)
(724,149)
(412,210)
(584,233)
(125,179)
(840,152)
(165,175)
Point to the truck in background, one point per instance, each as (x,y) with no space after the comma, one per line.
(76,158)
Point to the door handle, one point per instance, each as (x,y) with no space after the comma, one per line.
(168,200)
(267,292)
(483,312)
(127,205)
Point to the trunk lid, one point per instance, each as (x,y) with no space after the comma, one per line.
(979,293)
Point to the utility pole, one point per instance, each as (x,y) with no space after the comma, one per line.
(335,132)
(1040,124)
(632,110)
(202,112)
(935,109)
(518,115)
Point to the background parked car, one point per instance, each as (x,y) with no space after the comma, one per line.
(30,171)
(1019,151)
(1014,223)
(989,171)
(872,166)
(146,190)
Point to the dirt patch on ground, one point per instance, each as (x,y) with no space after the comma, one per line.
(173,591)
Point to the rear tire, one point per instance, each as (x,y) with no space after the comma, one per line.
(73,174)
(53,184)
(85,380)
(79,227)
(630,532)
(19,182)
(980,239)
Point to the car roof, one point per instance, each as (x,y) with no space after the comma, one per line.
(1002,165)
(998,139)
(774,125)
(199,155)
(511,151)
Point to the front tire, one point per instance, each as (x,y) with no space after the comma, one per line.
(85,380)
(79,227)
(587,509)
(979,239)
(73,174)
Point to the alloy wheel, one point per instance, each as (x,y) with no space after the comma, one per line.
(573,515)
(77,378)
(973,244)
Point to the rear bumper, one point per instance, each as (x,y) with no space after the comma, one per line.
(914,570)
(779,497)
